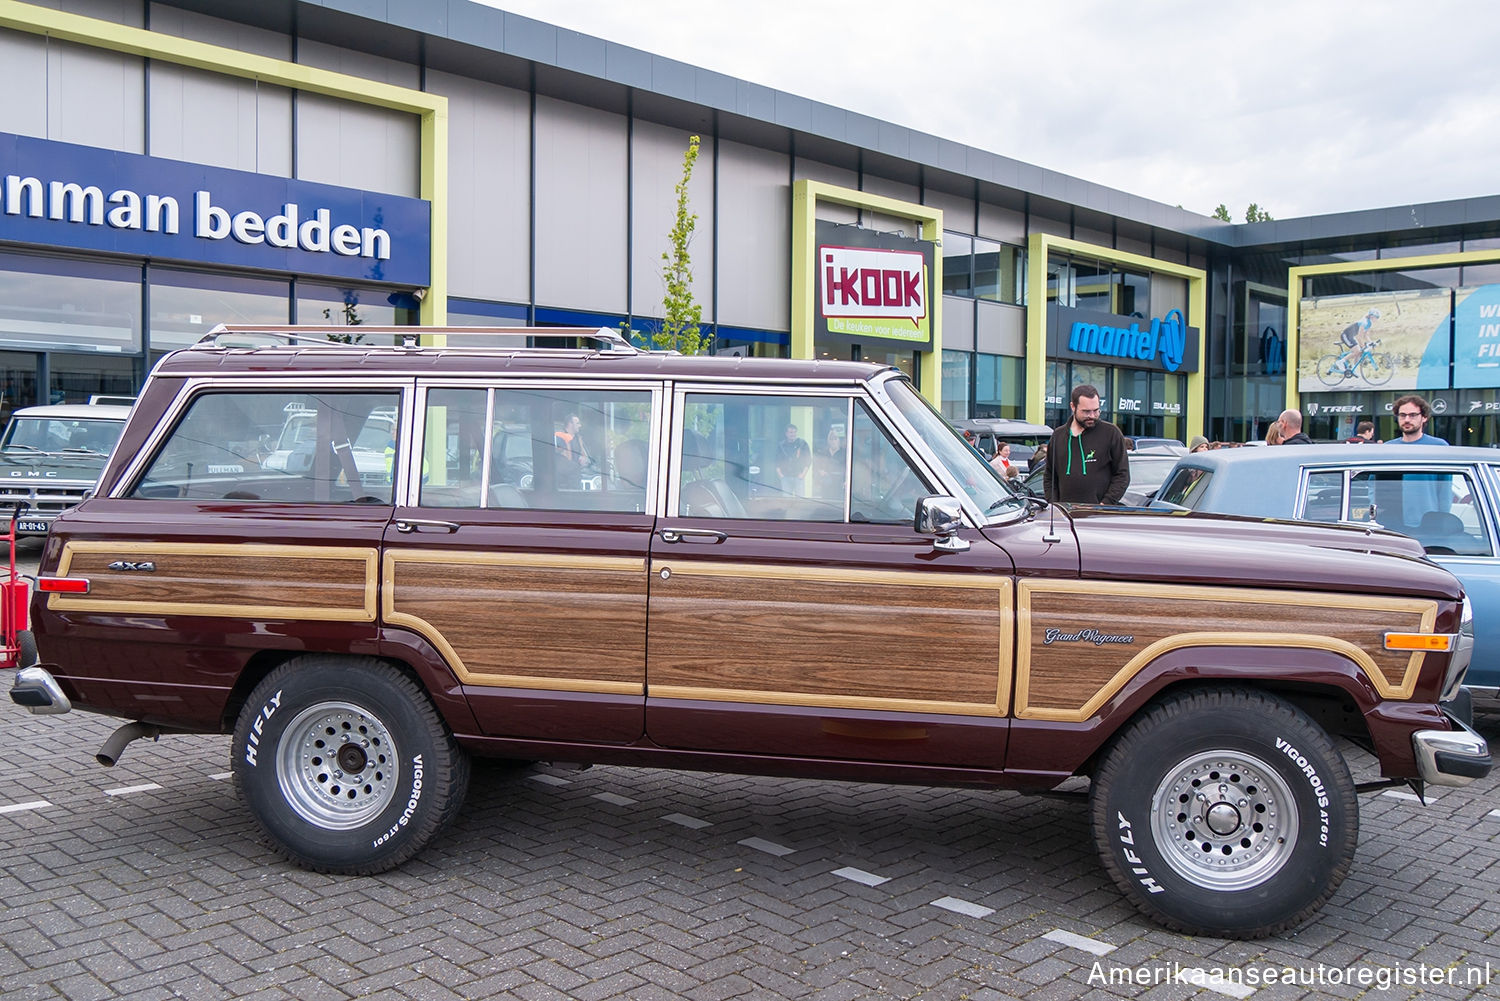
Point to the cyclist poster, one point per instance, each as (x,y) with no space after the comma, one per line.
(1387,340)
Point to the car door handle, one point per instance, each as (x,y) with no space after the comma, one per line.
(423,524)
(675,535)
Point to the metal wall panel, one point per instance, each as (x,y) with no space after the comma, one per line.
(489,188)
(95,97)
(958,323)
(23,61)
(1001,329)
(816,170)
(958,211)
(581,159)
(755,204)
(219,120)
(1003,224)
(358,145)
(1168,293)
(656,169)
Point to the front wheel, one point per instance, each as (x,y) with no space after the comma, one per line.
(1331,370)
(1225,812)
(1378,369)
(345,764)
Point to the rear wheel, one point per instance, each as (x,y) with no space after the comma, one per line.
(1225,812)
(346,765)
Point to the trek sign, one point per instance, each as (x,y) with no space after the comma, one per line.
(873,286)
(1164,343)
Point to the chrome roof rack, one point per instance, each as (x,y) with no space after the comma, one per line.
(340,338)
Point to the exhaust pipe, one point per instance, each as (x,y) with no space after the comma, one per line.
(115,745)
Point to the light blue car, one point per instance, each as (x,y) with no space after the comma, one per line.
(1448,499)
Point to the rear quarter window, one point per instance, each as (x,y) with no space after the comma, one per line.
(1185,487)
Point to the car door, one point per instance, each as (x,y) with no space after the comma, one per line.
(793,608)
(1450,509)
(517,553)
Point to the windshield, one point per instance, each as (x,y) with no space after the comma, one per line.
(980,482)
(62,434)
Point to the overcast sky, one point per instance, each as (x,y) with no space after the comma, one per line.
(1302,106)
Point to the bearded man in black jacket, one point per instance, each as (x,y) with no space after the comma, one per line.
(1086,461)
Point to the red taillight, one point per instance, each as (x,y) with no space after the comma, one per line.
(63,585)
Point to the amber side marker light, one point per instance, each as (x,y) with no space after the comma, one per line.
(63,585)
(1419,641)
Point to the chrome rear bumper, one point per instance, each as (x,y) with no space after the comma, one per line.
(1451,757)
(38,692)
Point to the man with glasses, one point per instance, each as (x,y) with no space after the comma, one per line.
(1086,461)
(1411,417)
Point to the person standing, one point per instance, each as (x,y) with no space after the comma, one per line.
(1273,433)
(1363,435)
(1086,459)
(793,457)
(1412,413)
(1001,462)
(1291,428)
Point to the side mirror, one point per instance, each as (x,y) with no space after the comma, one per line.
(942,517)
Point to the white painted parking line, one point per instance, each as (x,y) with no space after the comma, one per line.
(963,907)
(1409,796)
(686,821)
(769,847)
(1217,984)
(614,800)
(550,780)
(36,804)
(1493,813)
(222,776)
(127,790)
(860,876)
(1067,938)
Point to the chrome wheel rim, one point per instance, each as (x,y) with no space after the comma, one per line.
(1224,820)
(337,766)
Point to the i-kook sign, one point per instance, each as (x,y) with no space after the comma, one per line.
(65,195)
(872,286)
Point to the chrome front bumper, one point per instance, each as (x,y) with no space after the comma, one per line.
(38,692)
(1451,757)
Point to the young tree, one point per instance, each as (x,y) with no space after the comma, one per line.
(680,328)
(1222,212)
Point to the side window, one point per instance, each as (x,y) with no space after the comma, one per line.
(766,457)
(279,446)
(1325,499)
(791,458)
(884,488)
(1184,487)
(558,450)
(1441,510)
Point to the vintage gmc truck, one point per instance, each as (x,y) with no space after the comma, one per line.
(609,556)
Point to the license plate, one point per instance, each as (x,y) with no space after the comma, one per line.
(31,526)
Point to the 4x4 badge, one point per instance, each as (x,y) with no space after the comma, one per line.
(147,567)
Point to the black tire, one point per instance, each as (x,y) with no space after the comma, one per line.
(26,644)
(318,722)
(1331,370)
(1262,849)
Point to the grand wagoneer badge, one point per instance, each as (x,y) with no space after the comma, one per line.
(1093,636)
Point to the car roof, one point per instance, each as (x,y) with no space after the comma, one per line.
(1001,425)
(1337,454)
(76,411)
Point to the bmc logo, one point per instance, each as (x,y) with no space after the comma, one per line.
(865,283)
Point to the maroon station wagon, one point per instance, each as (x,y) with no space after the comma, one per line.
(369,564)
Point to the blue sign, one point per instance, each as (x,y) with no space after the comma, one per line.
(62,195)
(1166,343)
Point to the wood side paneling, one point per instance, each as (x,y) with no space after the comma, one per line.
(839,638)
(571,623)
(238,581)
(1068,677)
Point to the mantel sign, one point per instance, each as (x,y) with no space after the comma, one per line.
(58,194)
(1164,343)
(872,287)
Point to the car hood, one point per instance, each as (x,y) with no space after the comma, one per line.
(1184,547)
(63,465)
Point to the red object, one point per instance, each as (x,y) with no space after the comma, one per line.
(14,597)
